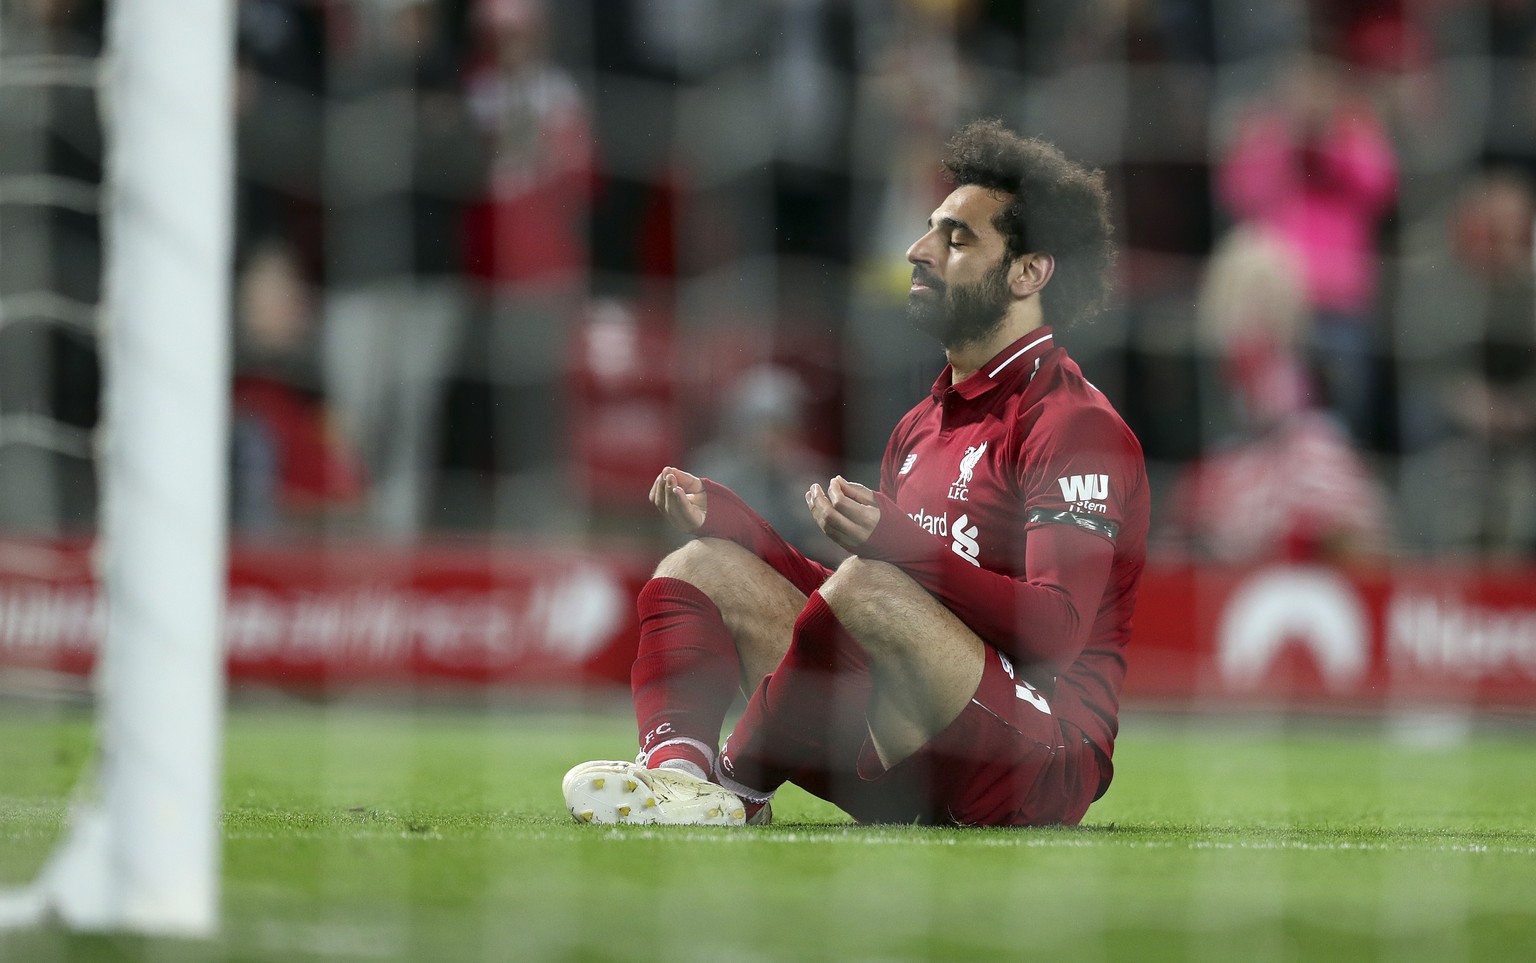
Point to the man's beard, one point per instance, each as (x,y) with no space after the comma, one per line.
(963,313)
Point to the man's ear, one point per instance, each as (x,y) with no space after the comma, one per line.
(1029,274)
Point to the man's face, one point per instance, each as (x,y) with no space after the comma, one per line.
(960,289)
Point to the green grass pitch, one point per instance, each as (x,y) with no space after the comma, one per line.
(373,833)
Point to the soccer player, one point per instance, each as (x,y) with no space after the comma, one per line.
(963,666)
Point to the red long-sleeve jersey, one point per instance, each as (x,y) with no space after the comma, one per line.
(1019,498)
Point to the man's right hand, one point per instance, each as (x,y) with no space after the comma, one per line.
(681,499)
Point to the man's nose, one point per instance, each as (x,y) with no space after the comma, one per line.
(920,251)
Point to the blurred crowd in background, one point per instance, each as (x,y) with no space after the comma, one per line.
(499,260)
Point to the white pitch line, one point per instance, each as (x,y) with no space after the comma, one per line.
(1065,842)
(355,836)
(633,834)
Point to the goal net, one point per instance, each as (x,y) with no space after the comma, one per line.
(141,849)
(496,262)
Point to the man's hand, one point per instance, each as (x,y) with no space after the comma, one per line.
(846,511)
(680,498)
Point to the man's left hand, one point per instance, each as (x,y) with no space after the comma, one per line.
(846,511)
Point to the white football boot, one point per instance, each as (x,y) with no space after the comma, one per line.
(610,792)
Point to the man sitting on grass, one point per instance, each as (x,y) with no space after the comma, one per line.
(964,665)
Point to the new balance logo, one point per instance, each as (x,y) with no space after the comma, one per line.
(906,466)
(1084,488)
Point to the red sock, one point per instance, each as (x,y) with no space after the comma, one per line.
(685,673)
(808,714)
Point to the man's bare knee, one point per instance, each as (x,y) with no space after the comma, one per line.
(869,597)
(736,580)
(701,561)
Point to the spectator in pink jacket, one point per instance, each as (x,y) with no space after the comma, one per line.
(1313,164)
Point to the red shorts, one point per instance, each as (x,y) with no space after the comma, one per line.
(1006,760)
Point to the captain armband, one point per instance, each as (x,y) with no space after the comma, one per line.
(1102,526)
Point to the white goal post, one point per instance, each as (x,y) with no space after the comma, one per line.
(143,854)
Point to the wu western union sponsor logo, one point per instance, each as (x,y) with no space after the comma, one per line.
(1084,488)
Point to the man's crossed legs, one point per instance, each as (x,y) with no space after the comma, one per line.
(864,690)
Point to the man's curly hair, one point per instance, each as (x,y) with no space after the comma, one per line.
(1057,207)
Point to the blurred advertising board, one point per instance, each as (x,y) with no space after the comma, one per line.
(358,614)
(1429,634)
